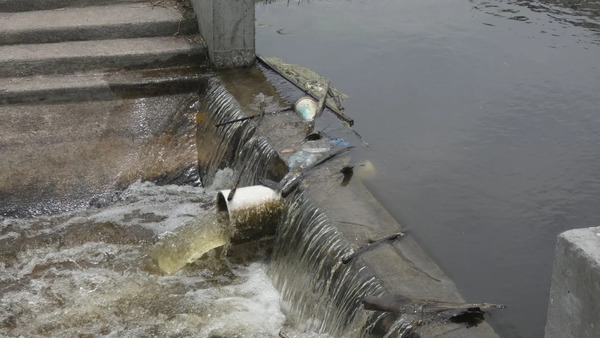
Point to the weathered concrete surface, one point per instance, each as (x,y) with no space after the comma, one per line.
(59,156)
(120,21)
(85,118)
(227,27)
(36,5)
(77,56)
(105,85)
(574,309)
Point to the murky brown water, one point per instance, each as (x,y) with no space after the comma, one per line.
(86,273)
(483,122)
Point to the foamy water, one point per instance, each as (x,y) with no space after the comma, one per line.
(85,273)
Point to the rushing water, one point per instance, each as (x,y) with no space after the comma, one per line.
(87,273)
(483,119)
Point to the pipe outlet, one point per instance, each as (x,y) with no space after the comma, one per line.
(253,212)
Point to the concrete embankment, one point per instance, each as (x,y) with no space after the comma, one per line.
(575,291)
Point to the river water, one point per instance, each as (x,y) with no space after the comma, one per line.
(87,273)
(483,119)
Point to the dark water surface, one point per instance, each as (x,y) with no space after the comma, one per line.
(484,125)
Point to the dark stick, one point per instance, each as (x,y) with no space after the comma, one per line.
(398,303)
(371,246)
(321,104)
(251,117)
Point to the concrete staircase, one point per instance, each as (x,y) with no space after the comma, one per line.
(94,94)
(57,50)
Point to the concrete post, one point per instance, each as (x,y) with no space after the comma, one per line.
(227,27)
(574,309)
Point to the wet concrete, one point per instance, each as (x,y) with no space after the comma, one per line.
(56,157)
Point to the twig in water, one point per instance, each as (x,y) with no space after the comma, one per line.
(251,117)
(399,303)
(372,245)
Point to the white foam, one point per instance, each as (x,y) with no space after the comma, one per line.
(100,289)
(251,306)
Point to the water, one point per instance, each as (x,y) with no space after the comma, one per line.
(323,294)
(483,120)
(85,273)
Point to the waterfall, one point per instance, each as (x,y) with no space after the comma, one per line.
(230,145)
(318,292)
(306,266)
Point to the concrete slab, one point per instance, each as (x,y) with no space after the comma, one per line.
(38,5)
(106,85)
(79,56)
(575,292)
(129,20)
(56,157)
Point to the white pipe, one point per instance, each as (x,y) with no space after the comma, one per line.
(246,199)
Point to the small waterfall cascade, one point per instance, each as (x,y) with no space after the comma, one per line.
(319,293)
(306,266)
(231,145)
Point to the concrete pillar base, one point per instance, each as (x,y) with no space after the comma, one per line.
(227,27)
(575,292)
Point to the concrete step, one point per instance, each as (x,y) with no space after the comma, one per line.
(129,20)
(38,5)
(82,56)
(107,85)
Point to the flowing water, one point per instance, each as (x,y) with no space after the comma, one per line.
(158,260)
(87,272)
(483,120)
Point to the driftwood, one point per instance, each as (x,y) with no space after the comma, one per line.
(371,246)
(251,117)
(398,303)
(425,310)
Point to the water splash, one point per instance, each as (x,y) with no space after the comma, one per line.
(83,273)
(320,292)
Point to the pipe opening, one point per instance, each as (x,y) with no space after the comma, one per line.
(222,202)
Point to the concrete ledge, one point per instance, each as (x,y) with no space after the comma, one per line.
(38,5)
(95,23)
(101,86)
(575,292)
(80,56)
(57,157)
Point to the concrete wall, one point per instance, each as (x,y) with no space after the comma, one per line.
(227,27)
(574,309)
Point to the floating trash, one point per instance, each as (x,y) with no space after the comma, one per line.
(306,108)
(301,159)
